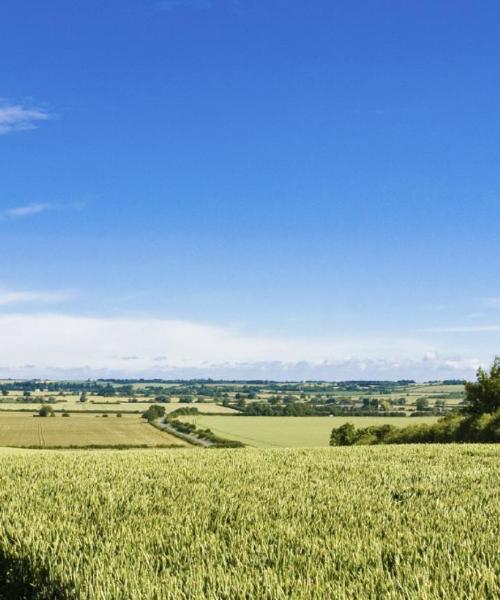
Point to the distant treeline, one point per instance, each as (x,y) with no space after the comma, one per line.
(303,409)
(364,382)
(480,421)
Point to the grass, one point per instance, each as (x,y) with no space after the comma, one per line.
(26,430)
(289,432)
(382,522)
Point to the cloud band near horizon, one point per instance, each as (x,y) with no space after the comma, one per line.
(66,346)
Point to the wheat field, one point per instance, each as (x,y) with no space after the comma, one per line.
(379,522)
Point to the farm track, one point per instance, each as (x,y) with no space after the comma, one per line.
(41,437)
(183,436)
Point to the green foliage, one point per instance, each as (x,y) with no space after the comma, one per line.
(163,399)
(483,396)
(154,412)
(185,399)
(185,410)
(204,434)
(344,435)
(422,404)
(46,411)
(452,428)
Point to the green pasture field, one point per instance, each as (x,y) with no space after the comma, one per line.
(366,523)
(289,432)
(25,430)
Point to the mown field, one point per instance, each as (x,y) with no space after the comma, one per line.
(380,522)
(72,404)
(289,432)
(26,430)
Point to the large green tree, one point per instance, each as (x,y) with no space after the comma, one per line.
(483,396)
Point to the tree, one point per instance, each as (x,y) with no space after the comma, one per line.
(154,412)
(83,397)
(185,399)
(45,411)
(345,435)
(483,396)
(422,404)
(162,398)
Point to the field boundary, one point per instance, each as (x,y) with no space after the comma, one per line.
(99,447)
(182,436)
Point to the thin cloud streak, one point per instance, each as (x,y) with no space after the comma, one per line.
(15,117)
(26,211)
(37,208)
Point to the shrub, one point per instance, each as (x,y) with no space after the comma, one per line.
(45,411)
(154,412)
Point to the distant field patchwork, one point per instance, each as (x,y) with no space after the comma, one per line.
(72,404)
(290,432)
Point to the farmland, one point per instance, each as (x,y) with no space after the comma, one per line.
(229,397)
(97,405)
(26,430)
(289,432)
(221,407)
(383,522)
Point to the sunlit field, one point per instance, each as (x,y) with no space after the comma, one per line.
(378,522)
(27,430)
(290,432)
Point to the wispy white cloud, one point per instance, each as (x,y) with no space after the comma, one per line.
(26,211)
(8,297)
(15,117)
(29,210)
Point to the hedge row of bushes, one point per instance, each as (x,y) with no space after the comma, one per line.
(484,428)
(204,434)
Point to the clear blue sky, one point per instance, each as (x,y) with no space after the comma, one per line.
(249,187)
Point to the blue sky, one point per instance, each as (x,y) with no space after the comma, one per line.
(236,188)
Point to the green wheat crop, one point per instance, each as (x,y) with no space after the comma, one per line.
(353,523)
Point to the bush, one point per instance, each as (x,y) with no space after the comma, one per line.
(154,412)
(46,411)
(345,435)
(186,410)
(452,428)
